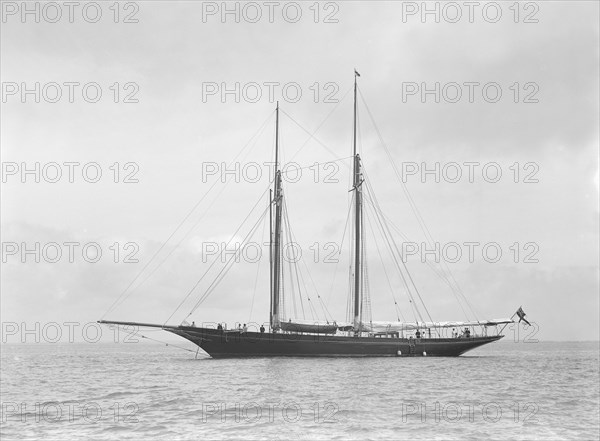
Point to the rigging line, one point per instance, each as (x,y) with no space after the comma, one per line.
(217,257)
(413,205)
(192,228)
(349,296)
(384,268)
(232,259)
(335,270)
(167,344)
(317,140)
(153,339)
(299,274)
(441,275)
(289,262)
(229,264)
(292,239)
(388,241)
(435,270)
(404,264)
(445,276)
(281,292)
(114,304)
(362,287)
(262,240)
(369,199)
(324,308)
(314,286)
(460,291)
(300,278)
(347,221)
(296,169)
(322,122)
(326,312)
(341,246)
(417,213)
(365,301)
(351,270)
(438,272)
(313,311)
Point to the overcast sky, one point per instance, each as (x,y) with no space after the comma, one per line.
(175,61)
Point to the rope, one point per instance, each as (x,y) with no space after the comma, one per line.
(227,266)
(262,239)
(415,210)
(168,344)
(341,246)
(122,297)
(216,258)
(390,241)
(398,312)
(310,134)
(320,125)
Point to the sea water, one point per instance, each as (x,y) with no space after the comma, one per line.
(504,390)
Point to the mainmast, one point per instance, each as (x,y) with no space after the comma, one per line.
(357,221)
(276,235)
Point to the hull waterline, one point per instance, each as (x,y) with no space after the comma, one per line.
(219,344)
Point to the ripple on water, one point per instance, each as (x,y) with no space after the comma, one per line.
(548,390)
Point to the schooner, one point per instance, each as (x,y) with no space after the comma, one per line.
(356,338)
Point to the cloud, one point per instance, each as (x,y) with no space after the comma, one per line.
(174,131)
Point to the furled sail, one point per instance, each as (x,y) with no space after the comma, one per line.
(307,326)
(411,326)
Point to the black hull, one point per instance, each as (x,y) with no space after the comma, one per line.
(220,344)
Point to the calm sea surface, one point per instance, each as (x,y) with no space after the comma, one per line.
(150,391)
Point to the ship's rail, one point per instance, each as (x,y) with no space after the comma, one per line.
(418,333)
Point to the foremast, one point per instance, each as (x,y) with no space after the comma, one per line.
(275,238)
(357,181)
(276,225)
